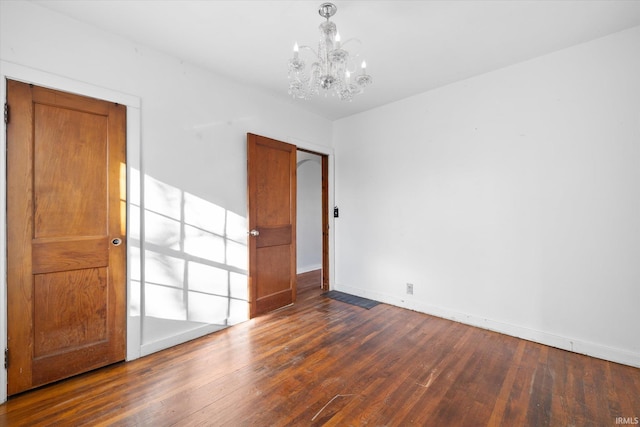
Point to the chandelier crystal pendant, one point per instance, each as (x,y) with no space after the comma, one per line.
(334,70)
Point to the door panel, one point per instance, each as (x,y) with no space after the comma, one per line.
(57,305)
(65,197)
(272,215)
(75,254)
(273,265)
(70,161)
(281,235)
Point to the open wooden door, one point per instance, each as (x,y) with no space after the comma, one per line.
(66,254)
(271,180)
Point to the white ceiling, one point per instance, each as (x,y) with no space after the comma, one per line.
(410,46)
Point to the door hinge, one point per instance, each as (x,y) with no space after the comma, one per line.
(6,113)
(6,358)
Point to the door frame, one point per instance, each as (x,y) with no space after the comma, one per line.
(330,201)
(325,209)
(25,74)
(328,254)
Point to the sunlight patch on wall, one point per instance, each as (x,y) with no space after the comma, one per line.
(195,262)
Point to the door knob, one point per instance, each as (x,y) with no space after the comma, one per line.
(254,233)
(116,242)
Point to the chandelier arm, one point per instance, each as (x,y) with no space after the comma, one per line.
(351,40)
(355,54)
(309,48)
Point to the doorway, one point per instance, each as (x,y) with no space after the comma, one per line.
(272,206)
(312,220)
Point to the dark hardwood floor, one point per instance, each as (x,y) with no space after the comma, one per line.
(322,361)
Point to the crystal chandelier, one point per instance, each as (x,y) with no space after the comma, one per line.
(333,69)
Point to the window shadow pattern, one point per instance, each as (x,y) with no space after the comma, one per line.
(192,262)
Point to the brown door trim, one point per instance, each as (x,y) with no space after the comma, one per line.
(325,222)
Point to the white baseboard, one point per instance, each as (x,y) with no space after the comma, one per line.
(308,268)
(171,341)
(565,343)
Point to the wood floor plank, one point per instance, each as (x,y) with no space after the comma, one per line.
(325,362)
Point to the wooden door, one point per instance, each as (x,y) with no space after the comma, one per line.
(271,179)
(65,209)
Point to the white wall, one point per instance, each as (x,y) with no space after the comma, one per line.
(510,200)
(187,161)
(309,212)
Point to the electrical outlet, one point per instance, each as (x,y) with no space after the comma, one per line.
(409,288)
